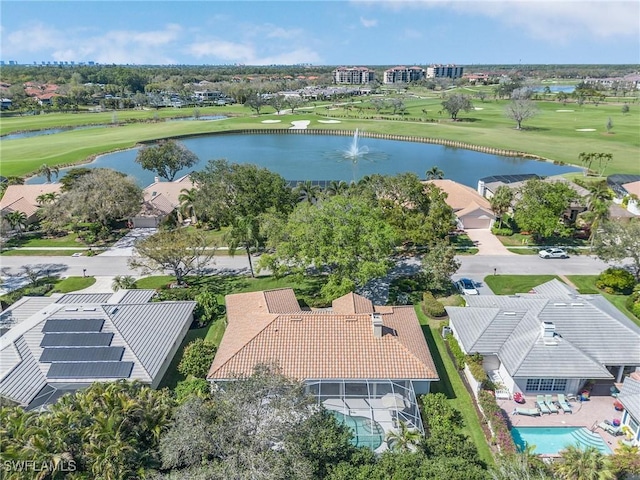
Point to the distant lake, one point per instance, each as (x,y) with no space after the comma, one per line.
(556,88)
(321,157)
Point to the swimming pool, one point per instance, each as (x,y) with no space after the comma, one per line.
(366,432)
(551,440)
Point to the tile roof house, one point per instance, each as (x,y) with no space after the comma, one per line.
(23,198)
(160,199)
(51,348)
(551,339)
(350,356)
(629,396)
(471,208)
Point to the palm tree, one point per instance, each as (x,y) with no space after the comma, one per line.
(501,202)
(187,200)
(577,463)
(406,439)
(434,173)
(17,220)
(245,232)
(124,282)
(336,187)
(48,171)
(598,203)
(47,198)
(308,192)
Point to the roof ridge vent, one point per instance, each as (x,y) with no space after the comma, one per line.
(71,309)
(559,304)
(508,313)
(577,304)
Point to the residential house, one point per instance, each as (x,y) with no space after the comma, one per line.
(550,340)
(161,198)
(627,190)
(471,209)
(52,347)
(24,198)
(357,359)
(629,396)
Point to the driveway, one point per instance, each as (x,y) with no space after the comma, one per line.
(124,246)
(487,242)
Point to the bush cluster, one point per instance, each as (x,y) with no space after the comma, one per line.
(616,280)
(496,419)
(503,232)
(431,306)
(475,367)
(456,351)
(633,302)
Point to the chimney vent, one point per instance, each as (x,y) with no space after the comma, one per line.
(376,321)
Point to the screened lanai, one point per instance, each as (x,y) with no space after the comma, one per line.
(371,408)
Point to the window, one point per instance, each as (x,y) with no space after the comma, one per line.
(546,384)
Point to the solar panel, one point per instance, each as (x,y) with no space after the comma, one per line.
(76,340)
(73,325)
(86,354)
(62,370)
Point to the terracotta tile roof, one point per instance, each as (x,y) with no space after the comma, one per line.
(163,196)
(22,198)
(352,303)
(473,207)
(282,300)
(633,188)
(321,344)
(460,196)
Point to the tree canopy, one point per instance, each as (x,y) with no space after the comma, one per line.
(618,241)
(455,103)
(166,158)
(346,237)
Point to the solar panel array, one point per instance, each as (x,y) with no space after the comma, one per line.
(78,348)
(518,177)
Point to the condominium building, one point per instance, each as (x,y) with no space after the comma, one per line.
(442,71)
(403,75)
(353,75)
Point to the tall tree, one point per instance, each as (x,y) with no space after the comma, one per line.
(598,202)
(47,198)
(181,251)
(578,463)
(541,206)
(455,103)
(346,237)
(256,101)
(17,220)
(336,187)
(245,233)
(307,192)
(439,264)
(434,173)
(187,199)
(47,171)
(618,241)
(519,110)
(501,202)
(166,158)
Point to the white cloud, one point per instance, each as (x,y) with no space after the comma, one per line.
(222,50)
(31,38)
(368,23)
(279,32)
(550,20)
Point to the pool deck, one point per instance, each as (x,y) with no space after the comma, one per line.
(585,414)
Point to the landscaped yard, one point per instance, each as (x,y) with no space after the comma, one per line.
(38,253)
(512,284)
(463,244)
(71,284)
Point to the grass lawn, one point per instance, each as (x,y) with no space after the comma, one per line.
(559,133)
(463,244)
(71,284)
(511,284)
(451,385)
(523,251)
(519,240)
(36,253)
(39,240)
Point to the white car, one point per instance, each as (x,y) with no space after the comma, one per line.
(553,253)
(466,287)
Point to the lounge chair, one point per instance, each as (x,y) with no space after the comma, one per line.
(542,406)
(607,427)
(548,400)
(564,405)
(531,412)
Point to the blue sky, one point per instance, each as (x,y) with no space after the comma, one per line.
(330,32)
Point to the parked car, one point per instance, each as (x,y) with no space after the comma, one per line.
(466,287)
(553,253)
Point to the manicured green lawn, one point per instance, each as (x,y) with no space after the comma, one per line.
(451,385)
(37,253)
(524,251)
(463,244)
(71,284)
(39,240)
(519,240)
(511,284)
(554,134)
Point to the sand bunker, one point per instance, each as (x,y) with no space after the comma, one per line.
(565,110)
(271,121)
(299,124)
(329,121)
(478,108)
(585,129)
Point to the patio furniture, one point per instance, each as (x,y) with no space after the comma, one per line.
(564,405)
(541,405)
(607,427)
(548,400)
(531,412)
(572,398)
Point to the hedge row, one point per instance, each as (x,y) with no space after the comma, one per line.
(431,306)
(497,421)
(456,351)
(474,363)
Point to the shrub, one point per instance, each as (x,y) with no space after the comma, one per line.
(496,419)
(616,280)
(475,367)
(431,306)
(207,308)
(197,358)
(633,302)
(504,231)
(456,351)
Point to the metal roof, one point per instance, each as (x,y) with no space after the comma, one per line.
(82,354)
(509,178)
(73,325)
(630,396)
(60,370)
(84,298)
(26,379)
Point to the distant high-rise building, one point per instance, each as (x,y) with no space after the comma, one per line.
(444,71)
(353,75)
(403,75)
